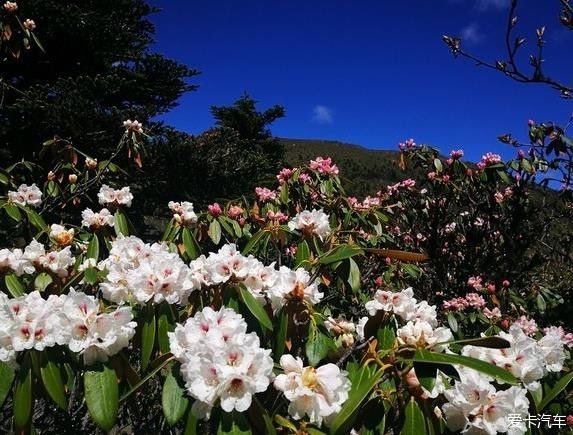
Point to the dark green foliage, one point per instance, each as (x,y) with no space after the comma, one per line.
(97,71)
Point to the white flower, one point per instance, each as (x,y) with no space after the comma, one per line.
(311,222)
(183,212)
(109,195)
(97,220)
(220,362)
(339,326)
(10,7)
(551,347)
(421,334)
(360,327)
(140,272)
(293,285)
(134,126)
(29,24)
(36,257)
(26,195)
(317,393)
(523,359)
(474,406)
(60,235)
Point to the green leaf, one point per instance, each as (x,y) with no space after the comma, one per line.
(386,337)
(165,324)
(283,195)
(339,253)
(13,211)
(22,399)
(452,322)
(173,400)
(302,254)
(93,248)
(233,423)
(120,224)
(42,281)
(191,246)
(415,423)
(90,275)
(14,285)
(215,231)
(281,335)
(191,425)
(7,375)
(102,395)
(53,382)
(147,335)
(255,307)
(492,342)
(360,389)
(353,275)
(438,165)
(554,392)
(36,220)
(253,242)
(423,355)
(317,347)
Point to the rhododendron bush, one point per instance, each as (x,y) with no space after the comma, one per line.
(300,311)
(436,305)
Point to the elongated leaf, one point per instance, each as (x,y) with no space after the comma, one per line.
(191,246)
(7,375)
(13,211)
(452,322)
(191,425)
(215,231)
(36,220)
(233,423)
(340,253)
(53,382)
(253,242)
(147,336)
(281,335)
(554,392)
(360,389)
(165,324)
(102,395)
(173,400)
(23,397)
(255,308)
(42,281)
(423,355)
(353,275)
(317,347)
(302,254)
(493,342)
(386,337)
(414,424)
(120,224)
(93,247)
(403,256)
(14,285)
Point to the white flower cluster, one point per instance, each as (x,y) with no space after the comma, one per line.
(26,195)
(264,282)
(35,258)
(134,126)
(95,220)
(74,320)
(139,272)
(220,361)
(318,393)
(183,212)
(526,358)
(109,195)
(311,222)
(420,329)
(475,406)
(61,235)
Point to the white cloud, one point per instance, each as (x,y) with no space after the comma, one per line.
(471,34)
(322,114)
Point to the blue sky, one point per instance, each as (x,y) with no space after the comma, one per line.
(369,72)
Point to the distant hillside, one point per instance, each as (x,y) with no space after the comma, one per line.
(363,171)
